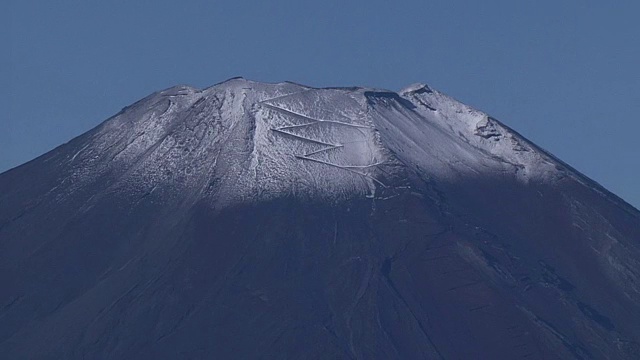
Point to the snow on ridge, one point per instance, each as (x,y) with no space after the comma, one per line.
(238,140)
(244,140)
(474,128)
(416,87)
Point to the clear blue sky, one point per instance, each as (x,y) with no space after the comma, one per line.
(563,73)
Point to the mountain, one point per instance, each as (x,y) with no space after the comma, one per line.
(252,220)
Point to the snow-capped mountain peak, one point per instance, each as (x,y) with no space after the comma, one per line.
(263,140)
(251,220)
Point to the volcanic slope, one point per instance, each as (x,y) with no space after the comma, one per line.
(252,220)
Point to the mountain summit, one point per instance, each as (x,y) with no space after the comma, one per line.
(252,220)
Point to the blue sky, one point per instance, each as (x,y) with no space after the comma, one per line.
(565,74)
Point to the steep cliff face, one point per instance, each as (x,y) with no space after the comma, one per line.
(277,220)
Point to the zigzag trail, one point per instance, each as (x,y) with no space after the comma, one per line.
(329,146)
(315,121)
